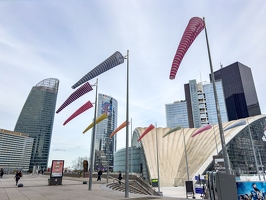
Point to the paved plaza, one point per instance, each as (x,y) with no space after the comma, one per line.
(35,187)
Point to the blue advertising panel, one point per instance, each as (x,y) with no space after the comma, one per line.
(251,190)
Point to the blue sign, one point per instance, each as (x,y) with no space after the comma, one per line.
(199,190)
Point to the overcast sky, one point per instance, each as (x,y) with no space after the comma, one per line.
(65,39)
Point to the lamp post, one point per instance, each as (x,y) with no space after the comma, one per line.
(93,138)
(158,169)
(253,149)
(185,149)
(226,161)
(215,139)
(127,97)
(263,173)
(131,148)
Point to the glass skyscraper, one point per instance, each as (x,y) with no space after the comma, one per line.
(210,102)
(104,146)
(176,114)
(36,119)
(201,105)
(239,90)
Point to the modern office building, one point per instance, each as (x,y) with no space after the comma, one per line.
(239,90)
(210,102)
(104,146)
(36,119)
(201,105)
(15,150)
(200,151)
(176,114)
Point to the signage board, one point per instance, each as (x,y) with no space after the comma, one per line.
(57,168)
(219,163)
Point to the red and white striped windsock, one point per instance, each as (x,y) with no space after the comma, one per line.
(194,27)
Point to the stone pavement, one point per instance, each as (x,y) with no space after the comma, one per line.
(35,187)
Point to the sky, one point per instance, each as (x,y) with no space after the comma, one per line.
(66,39)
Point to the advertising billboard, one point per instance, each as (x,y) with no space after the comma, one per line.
(251,190)
(57,168)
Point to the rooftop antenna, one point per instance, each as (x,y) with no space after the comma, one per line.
(221,65)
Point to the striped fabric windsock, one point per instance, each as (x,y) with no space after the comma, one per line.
(99,119)
(82,109)
(236,124)
(200,130)
(194,27)
(146,131)
(123,125)
(172,130)
(85,88)
(114,60)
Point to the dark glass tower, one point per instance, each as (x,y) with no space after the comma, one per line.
(36,119)
(239,90)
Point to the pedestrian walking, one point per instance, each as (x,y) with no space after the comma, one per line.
(119,177)
(1,172)
(99,175)
(17,177)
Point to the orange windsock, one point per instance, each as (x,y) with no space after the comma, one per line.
(146,131)
(119,128)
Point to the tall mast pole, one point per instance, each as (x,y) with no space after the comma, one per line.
(226,160)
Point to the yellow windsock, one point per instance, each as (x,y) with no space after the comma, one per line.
(118,128)
(99,119)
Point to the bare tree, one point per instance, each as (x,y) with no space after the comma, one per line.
(77,164)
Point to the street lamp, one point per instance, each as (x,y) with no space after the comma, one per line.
(253,149)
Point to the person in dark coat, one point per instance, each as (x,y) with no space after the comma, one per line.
(119,177)
(17,177)
(99,175)
(1,172)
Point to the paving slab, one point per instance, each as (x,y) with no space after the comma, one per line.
(35,187)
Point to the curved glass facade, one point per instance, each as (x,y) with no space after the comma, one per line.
(134,160)
(36,119)
(240,151)
(240,148)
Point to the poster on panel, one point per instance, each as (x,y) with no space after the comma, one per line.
(251,190)
(57,168)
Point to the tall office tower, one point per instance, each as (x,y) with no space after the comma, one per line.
(192,93)
(210,102)
(36,119)
(104,146)
(176,114)
(201,105)
(239,90)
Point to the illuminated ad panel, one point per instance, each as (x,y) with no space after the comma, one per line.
(57,168)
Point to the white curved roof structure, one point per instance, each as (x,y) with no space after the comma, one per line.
(200,150)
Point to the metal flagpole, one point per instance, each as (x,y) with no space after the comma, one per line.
(158,170)
(126,179)
(253,149)
(93,137)
(226,160)
(185,153)
(215,139)
(131,170)
(263,173)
